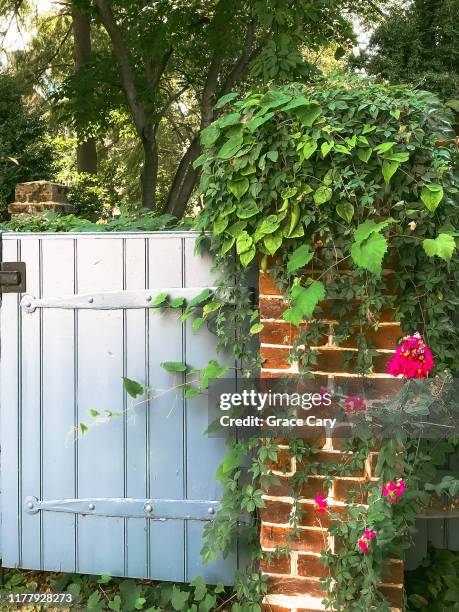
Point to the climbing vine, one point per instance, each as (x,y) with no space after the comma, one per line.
(346,191)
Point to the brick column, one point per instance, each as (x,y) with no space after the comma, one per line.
(295,579)
(38,197)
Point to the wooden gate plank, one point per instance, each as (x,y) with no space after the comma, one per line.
(165,413)
(135,421)
(10,417)
(100,368)
(58,405)
(31,407)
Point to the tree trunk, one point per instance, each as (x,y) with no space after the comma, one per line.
(86,151)
(150,169)
(184,181)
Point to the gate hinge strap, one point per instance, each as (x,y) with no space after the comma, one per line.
(156,509)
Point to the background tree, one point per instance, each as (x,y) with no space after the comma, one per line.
(417,43)
(22,137)
(203,49)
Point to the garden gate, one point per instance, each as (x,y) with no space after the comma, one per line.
(129,497)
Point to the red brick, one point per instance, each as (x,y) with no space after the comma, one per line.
(276,512)
(329,458)
(313,487)
(268,285)
(309,540)
(275,358)
(272,564)
(311,566)
(269,608)
(296,586)
(272,308)
(283,463)
(343,488)
(385,337)
(311,518)
(394,573)
(394,595)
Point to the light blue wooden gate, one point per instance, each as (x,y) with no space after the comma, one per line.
(130,496)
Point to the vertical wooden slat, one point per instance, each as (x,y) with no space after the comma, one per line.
(166,412)
(58,405)
(452,526)
(100,368)
(204,454)
(10,417)
(31,401)
(136,413)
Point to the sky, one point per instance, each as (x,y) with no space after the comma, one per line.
(12,35)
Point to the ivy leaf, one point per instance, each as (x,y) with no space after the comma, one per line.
(238,187)
(304,300)
(299,258)
(197,324)
(228,120)
(364,154)
(326,147)
(309,114)
(389,168)
(256,328)
(268,225)
(228,244)
(309,149)
(200,298)
(369,253)
(247,256)
(272,155)
(272,242)
(225,99)
(322,194)
(254,123)
(212,370)
(179,599)
(243,242)
(83,428)
(115,604)
(230,147)
(345,211)
(132,387)
(220,224)
(368,227)
(200,588)
(384,146)
(247,208)
(159,299)
(443,246)
(432,195)
(177,302)
(174,366)
(237,228)
(210,134)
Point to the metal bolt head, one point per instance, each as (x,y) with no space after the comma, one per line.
(91,507)
(30,505)
(148,508)
(211,510)
(90,300)
(149,298)
(28,304)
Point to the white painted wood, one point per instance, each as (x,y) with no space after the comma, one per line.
(10,418)
(109,300)
(58,405)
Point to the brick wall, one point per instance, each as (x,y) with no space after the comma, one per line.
(294,580)
(38,197)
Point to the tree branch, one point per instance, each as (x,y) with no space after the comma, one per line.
(154,76)
(241,64)
(127,78)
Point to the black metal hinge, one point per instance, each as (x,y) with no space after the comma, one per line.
(12,277)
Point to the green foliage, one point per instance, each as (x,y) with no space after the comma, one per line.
(416,43)
(434,585)
(52,222)
(89,197)
(23,137)
(118,594)
(333,175)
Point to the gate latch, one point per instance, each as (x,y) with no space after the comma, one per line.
(12,277)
